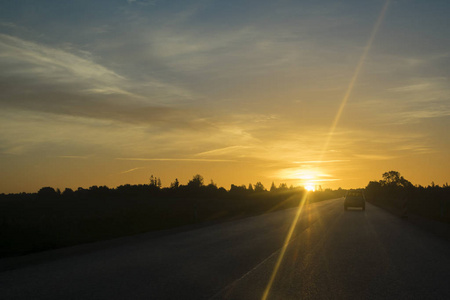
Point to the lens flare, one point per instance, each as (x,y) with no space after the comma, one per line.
(327,142)
(285,245)
(354,78)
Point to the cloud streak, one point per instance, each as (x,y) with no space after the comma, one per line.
(178,159)
(40,78)
(131,170)
(26,59)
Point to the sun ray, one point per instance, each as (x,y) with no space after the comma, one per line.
(354,78)
(285,245)
(327,142)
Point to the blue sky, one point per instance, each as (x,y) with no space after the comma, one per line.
(109,92)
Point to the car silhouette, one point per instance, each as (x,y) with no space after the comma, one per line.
(355,198)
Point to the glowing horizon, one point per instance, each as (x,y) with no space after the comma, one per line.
(177,89)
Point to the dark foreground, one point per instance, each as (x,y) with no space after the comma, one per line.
(333,255)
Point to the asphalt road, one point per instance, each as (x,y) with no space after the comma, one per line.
(333,254)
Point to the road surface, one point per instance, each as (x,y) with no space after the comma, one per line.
(333,254)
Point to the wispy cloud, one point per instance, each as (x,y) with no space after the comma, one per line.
(30,60)
(41,78)
(420,99)
(224,151)
(73,156)
(374,156)
(415,148)
(412,88)
(178,159)
(424,86)
(418,115)
(305,175)
(8,24)
(142,2)
(131,170)
(320,161)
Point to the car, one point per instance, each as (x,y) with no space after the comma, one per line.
(355,198)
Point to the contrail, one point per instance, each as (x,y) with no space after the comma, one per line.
(330,134)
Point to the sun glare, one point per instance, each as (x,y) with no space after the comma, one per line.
(310,188)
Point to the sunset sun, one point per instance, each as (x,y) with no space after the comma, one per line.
(310,188)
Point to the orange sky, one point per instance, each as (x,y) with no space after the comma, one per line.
(109,93)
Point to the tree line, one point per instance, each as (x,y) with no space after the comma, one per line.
(50,218)
(399,195)
(31,222)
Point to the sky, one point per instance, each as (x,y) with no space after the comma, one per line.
(330,93)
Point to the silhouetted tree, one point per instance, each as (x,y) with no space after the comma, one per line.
(155,181)
(250,187)
(259,187)
(175,184)
(238,189)
(273,188)
(373,189)
(282,187)
(196,181)
(212,185)
(67,192)
(393,178)
(47,193)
